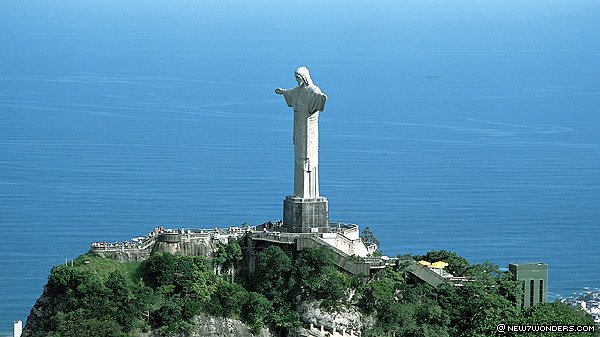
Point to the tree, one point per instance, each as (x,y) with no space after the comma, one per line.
(88,291)
(205,284)
(228,299)
(457,265)
(159,269)
(256,311)
(368,238)
(403,309)
(59,279)
(557,313)
(169,314)
(382,290)
(309,268)
(76,324)
(481,310)
(233,257)
(272,274)
(126,308)
(227,257)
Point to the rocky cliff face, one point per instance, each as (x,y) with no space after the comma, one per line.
(346,318)
(45,306)
(209,326)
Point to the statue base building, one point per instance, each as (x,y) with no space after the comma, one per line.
(301,215)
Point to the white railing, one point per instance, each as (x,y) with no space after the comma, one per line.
(333,332)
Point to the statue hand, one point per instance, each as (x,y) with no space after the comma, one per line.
(279,91)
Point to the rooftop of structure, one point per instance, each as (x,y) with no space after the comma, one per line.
(529,264)
(334,227)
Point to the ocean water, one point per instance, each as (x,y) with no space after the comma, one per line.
(471,127)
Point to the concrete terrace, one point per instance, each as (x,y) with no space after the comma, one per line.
(350,253)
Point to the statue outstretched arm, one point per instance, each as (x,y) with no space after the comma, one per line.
(287,95)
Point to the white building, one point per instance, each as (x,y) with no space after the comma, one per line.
(17,328)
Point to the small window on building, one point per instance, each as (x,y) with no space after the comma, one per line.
(531,291)
(522,300)
(541,291)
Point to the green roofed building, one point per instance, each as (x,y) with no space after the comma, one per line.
(534,278)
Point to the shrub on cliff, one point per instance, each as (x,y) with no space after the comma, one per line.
(99,297)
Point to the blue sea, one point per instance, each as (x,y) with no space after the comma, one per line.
(467,126)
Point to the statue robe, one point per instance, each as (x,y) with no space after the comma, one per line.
(307,101)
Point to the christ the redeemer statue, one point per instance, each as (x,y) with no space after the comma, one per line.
(305,211)
(307,100)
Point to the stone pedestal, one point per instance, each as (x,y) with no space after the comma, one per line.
(305,215)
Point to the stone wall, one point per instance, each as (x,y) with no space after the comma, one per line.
(205,244)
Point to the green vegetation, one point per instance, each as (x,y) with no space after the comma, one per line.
(368,238)
(457,265)
(101,297)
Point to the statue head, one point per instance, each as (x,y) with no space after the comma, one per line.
(303,77)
